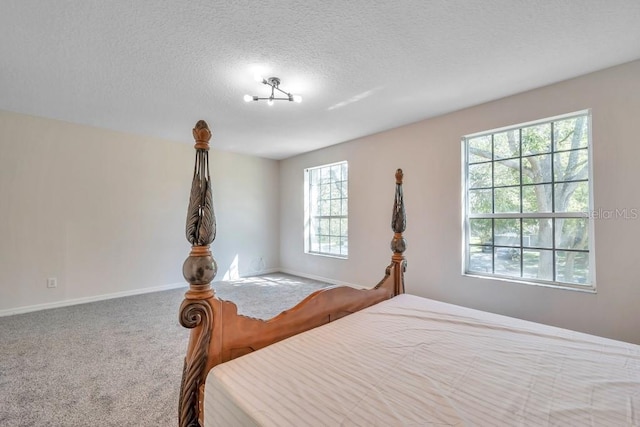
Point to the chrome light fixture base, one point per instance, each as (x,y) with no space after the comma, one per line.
(274,83)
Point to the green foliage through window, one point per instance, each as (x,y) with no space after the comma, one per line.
(326,198)
(527,201)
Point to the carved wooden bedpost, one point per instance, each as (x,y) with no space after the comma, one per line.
(199,269)
(399,244)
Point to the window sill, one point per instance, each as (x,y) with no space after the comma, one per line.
(589,289)
(345,257)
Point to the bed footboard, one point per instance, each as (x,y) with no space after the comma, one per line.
(218,333)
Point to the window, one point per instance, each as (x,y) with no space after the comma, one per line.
(326,210)
(527,201)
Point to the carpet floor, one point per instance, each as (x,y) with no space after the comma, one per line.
(116,362)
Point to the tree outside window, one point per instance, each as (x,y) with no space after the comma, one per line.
(326,210)
(527,202)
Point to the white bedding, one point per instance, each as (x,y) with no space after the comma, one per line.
(411,361)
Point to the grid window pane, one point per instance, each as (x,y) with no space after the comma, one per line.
(506,144)
(324,208)
(536,139)
(344,189)
(480,259)
(334,249)
(537,264)
(506,172)
(344,227)
(479,148)
(480,231)
(327,207)
(324,226)
(335,227)
(325,175)
(537,198)
(480,175)
(537,233)
(336,173)
(572,197)
(572,267)
(507,199)
(507,261)
(336,207)
(571,165)
(325,191)
(570,134)
(336,190)
(512,177)
(480,201)
(536,169)
(507,232)
(572,233)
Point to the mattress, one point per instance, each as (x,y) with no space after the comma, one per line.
(411,361)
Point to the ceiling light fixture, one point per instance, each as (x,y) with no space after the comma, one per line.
(274,82)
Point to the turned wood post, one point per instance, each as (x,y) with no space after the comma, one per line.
(199,269)
(399,244)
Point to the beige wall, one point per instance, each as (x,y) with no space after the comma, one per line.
(104,212)
(430,154)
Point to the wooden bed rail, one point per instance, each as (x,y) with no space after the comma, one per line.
(218,333)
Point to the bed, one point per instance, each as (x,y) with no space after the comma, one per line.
(350,357)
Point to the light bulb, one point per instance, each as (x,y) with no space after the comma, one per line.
(297,98)
(248,98)
(270,102)
(258,78)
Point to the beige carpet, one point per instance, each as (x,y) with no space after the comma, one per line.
(116,362)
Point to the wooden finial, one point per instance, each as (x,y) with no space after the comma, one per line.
(399,176)
(202,135)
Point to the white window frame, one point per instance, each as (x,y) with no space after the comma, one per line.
(326,212)
(590,283)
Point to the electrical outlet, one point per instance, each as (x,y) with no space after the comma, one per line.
(52,282)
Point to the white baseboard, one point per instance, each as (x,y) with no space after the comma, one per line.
(74,301)
(320,279)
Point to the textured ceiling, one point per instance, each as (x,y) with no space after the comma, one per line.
(154,67)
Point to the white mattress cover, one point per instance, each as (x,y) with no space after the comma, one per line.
(411,361)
